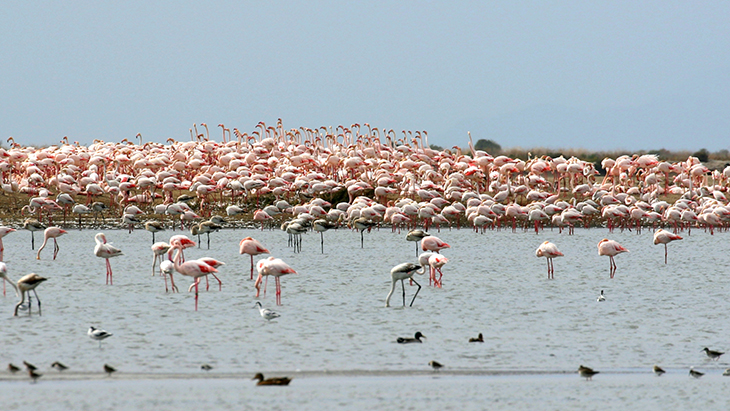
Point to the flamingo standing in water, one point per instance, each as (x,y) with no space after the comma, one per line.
(3,232)
(26,284)
(665,237)
(107,251)
(400,273)
(416,236)
(33,225)
(549,251)
(277,268)
(192,268)
(611,248)
(4,277)
(50,232)
(251,247)
(432,243)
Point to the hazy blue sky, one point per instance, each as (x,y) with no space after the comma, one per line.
(595,75)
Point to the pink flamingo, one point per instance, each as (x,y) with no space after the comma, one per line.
(432,243)
(3,232)
(437,261)
(665,237)
(184,241)
(192,268)
(261,215)
(50,232)
(277,268)
(215,264)
(549,251)
(4,277)
(611,248)
(167,268)
(251,247)
(106,250)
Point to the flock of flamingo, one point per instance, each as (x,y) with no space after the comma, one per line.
(359,176)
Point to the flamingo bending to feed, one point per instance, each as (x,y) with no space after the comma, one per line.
(158,250)
(50,232)
(167,268)
(251,247)
(3,232)
(549,251)
(25,285)
(4,277)
(192,268)
(665,237)
(611,248)
(277,268)
(400,273)
(106,250)
(437,261)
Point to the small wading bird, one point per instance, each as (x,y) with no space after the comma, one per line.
(586,372)
(98,335)
(29,366)
(601,298)
(665,237)
(60,367)
(658,370)
(32,225)
(26,284)
(400,273)
(435,365)
(106,250)
(267,314)
(695,374)
(271,381)
(109,369)
(34,375)
(13,368)
(206,367)
(611,249)
(479,338)
(714,355)
(406,340)
(549,251)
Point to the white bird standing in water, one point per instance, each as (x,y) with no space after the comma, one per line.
(267,314)
(98,335)
(601,298)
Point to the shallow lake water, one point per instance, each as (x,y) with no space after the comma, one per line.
(336,338)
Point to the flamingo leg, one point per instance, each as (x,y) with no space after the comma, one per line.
(173,287)
(362,239)
(252,267)
(197,280)
(39,302)
(207,285)
(165,277)
(278,291)
(55,248)
(403,286)
(416,294)
(32,240)
(665,253)
(321,242)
